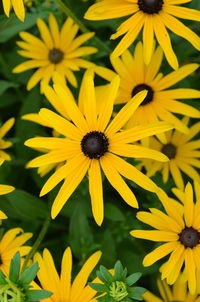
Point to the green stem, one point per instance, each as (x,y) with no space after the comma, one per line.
(82,27)
(37,242)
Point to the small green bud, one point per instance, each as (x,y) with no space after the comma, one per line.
(118,290)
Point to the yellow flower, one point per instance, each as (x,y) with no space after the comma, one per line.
(151,15)
(183,155)
(4,189)
(57,50)
(12,242)
(18,6)
(5,144)
(179,292)
(160,102)
(61,287)
(180,230)
(91,143)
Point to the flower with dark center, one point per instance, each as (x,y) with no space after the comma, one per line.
(154,18)
(149,96)
(178,230)
(94,144)
(55,55)
(169,150)
(189,237)
(150,6)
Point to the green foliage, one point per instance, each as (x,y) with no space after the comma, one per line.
(117,286)
(16,287)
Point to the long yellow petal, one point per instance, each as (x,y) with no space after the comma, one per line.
(125,113)
(159,253)
(82,277)
(164,40)
(117,182)
(65,277)
(96,191)
(70,184)
(148,41)
(160,236)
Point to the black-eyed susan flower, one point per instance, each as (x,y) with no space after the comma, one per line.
(178,292)
(91,143)
(183,154)
(179,229)
(154,16)
(11,243)
(57,50)
(62,287)
(5,144)
(4,189)
(161,102)
(18,7)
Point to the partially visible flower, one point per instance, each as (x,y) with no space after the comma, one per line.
(178,292)
(183,154)
(5,144)
(18,6)
(12,242)
(4,189)
(151,15)
(57,50)
(179,228)
(91,143)
(161,103)
(62,287)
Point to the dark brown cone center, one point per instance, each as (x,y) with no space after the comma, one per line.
(142,87)
(94,144)
(150,6)
(55,55)
(169,150)
(189,237)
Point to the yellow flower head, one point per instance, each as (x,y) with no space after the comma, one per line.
(179,228)
(178,292)
(4,189)
(5,144)
(154,16)
(61,286)
(18,6)
(183,155)
(12,242)
(91,142)
(160,102)
(57,50)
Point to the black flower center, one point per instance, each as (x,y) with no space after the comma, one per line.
(150,6)
(189,237)
(94,144)
(55,55)
(169,150)
(142,87)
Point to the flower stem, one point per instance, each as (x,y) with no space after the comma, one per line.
(37,242)
(82,27)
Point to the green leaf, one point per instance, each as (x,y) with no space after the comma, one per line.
(106,274)
(4,85)
(118,270)
(27,205)
(36,295)
(112,212)
(2,278)
(29,274)
(133,278)
(98,287)
(14,267)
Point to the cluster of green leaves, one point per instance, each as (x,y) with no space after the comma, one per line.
(16,287)
(117,286)
(74,226)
